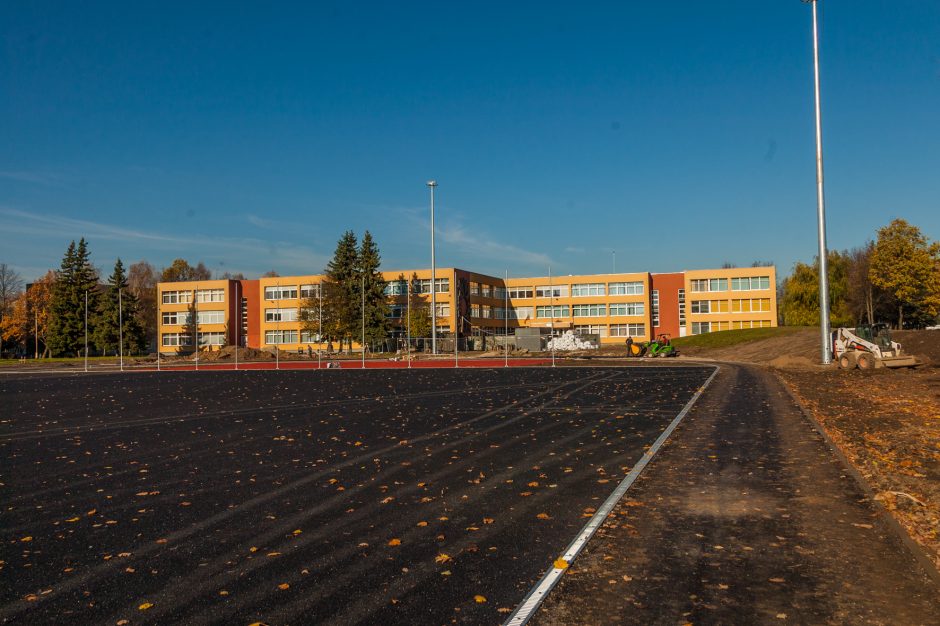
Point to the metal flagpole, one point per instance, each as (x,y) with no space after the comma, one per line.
(821,208)
(551,295)
(277,327)
(432,184)
(121,327)
(408,321)
(195,323)
(238,309)
(506,318)
(457,321)
(320,323)
(86,330)
(363,288)
(159,334)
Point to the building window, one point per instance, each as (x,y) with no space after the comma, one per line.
(212,339)
(551,291)
(307,336)
(682,307)
(628,330)
(520,313)
(275,337)
(175,318)
(746,305)
(559,310)
(309,291)
(442,285)
(700,328)
(623,309)
(752,283)
(588,289)
(592,329)
(699,285)
(654,306)
(280,315)
(396,311)
(177,339)
(701,306)
(499,293)
(396,288)
(443,310)
(718,284)
(521,292)
(177,297)
(588,310)
(210,317)
(634,288)
(280,293)
(210,295)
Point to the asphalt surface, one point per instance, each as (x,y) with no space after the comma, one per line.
(746,517)
(376,496)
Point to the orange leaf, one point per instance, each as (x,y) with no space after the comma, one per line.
(479,599)
(543,516)
(145,606)
(560,563)
(283,586)
(394,542)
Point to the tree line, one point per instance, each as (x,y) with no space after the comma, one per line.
(894,279)
(50,314)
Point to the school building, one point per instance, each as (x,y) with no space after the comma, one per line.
(265,313)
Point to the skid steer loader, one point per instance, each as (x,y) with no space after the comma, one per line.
(867,347)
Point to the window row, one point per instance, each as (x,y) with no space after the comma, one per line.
(186,339)
(398,311)
(747,283)
(181,318)
(743,305)
(578,290)
(699,328)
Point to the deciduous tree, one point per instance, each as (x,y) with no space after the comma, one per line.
(907,265)
(181,271)
(142,283)
(11,286)
(28,318)
(800,302)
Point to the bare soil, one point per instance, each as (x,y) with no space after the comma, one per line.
(886,422)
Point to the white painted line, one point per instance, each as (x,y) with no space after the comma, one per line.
(539,592)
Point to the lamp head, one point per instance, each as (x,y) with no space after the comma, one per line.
(432,183)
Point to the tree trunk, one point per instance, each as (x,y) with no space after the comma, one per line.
(900,317)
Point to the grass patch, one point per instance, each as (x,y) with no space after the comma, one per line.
(726,338)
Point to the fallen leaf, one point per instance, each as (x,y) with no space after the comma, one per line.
(479,599)
(543,516)
(487,520)
(253,549)
(394,542)
(223,592)
(422,524)
(560,563)
(283,586)
(442,558)
(145,606)
(776,580)
(297,532)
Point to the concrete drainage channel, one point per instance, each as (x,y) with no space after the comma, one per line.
(533,600)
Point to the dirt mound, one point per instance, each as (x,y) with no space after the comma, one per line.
(244,354)
(924,344)
(789,361)
(796,349)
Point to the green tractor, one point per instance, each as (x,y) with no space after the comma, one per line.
(661,347)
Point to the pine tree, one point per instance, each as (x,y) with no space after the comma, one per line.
(342,299)
(190,330)
(75,278)
(118,305)
(371,279)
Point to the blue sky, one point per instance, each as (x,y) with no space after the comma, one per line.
(250,136)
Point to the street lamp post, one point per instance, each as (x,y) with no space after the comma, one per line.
(86,330)
(432,184)
(238,308)
(121,327)
(821,207)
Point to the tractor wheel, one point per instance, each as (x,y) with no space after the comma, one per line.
(847,361)
(866,361)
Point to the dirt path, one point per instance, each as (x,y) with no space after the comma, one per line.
(746,516)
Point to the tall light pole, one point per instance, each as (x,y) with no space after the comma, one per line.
(432,184)
(238,308)
(86,330)
(121,326)
(363,289)
(821,208)
(613,261)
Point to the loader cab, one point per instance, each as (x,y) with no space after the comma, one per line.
(877,334)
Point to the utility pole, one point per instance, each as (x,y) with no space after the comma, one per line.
(821,208)
(86,330)
(320,323)
(506,319)
(121,327)
(363,288)
(551,295)
(238,309)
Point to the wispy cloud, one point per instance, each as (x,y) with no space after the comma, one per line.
(26,176)
(282,255)
(482,245)
(574,250)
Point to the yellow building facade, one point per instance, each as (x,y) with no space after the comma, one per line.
(267,313)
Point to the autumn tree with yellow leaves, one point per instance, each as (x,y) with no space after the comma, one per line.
(907,265)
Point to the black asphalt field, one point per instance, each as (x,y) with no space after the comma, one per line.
(292,497)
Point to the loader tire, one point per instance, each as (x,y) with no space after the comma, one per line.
(866,362)
(847,361)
